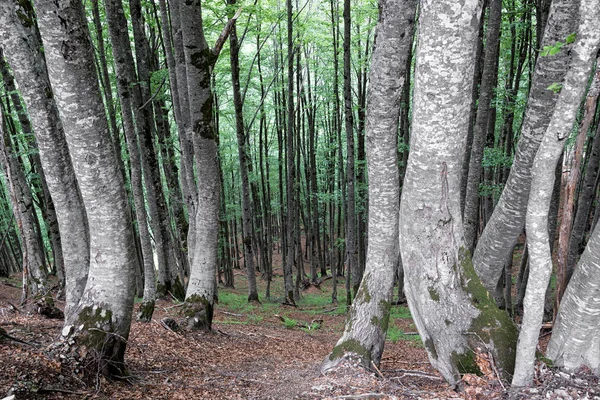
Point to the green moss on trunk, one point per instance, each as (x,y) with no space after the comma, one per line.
(493,326)
(145,311)
(198,311)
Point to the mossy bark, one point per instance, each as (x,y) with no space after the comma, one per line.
(146,310)
(198,311)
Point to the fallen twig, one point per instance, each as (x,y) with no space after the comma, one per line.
(377,370)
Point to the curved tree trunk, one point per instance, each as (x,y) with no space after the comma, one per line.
(98,329)
(454,314)
(23,45)
(507,222)
(575,341)
(364,335)
(542,182)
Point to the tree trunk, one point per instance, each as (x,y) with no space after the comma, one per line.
(575,342)
(353,268)
(454,314)
(291,166)
(199,60)
(542,181)
(366,327)
(23,44)
(243,154)
(100,325)
(507,221)
(585,201)
(35,274)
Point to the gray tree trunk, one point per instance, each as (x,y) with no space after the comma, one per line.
(508,219)
(243,154)
(35,274)
(291,208)
(23,46)
(98,329)
(454,314)
(575,341)
(366,327)
(199,60)
(352,265)
(542,182)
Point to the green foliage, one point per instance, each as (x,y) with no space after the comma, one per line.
(289,323)
(555,87)
(555,48)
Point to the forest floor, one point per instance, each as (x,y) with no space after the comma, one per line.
(256,351)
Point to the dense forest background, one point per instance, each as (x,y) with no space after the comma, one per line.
(259,136)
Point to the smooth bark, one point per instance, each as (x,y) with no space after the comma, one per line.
(366,326)
(550,150)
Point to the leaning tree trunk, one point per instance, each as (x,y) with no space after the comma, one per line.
(23,45)
(98,329)
(35,275)
(366,326)
(575,338)
(508,219)
(542,182)
(200,59)
(455,316)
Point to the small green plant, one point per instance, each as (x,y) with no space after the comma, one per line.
(290,323)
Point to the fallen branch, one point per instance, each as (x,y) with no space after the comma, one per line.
(4,334)
(377,370)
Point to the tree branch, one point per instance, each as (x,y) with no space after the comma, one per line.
(225,34)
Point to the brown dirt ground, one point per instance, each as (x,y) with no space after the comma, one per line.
(243,358)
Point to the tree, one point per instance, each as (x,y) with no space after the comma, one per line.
(366,326)
(99,327)
(199,61)
(542,183)
(454,314)
(247,210)
(23,44)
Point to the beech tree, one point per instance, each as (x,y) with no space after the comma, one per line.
(367,321)
(96,333)
(199,60)
(455,315)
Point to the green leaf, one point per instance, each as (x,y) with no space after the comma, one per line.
(555,87)
(571,38)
